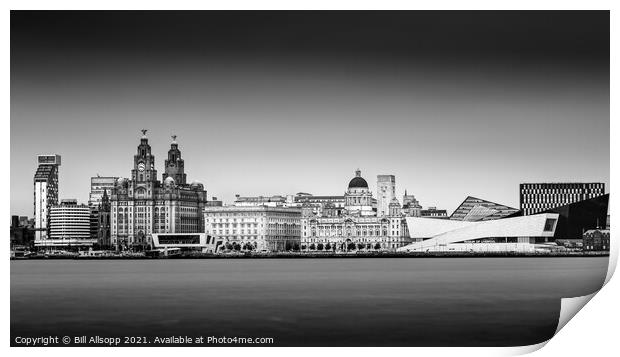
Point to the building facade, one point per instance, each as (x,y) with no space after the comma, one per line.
(386,191)
(70,226)
(539,197)
(45,193)
(357,226)
(22,234)
(411,206)
(254,227)
(270,201)
(433,212)
(515,234)
(143,205)
(98,185)
(596,240)
(320,205)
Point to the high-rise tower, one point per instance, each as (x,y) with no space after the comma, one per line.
(45,193)
(386,191)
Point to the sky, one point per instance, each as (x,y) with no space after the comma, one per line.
(262,103)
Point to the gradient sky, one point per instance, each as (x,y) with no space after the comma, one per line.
(452,103)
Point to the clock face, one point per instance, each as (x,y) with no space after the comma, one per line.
(141,167)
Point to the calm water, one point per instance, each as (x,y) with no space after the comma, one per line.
(304,302)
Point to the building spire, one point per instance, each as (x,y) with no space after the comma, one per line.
(144,133)
(358,172)
(174,139)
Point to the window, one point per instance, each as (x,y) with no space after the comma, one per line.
(550,224)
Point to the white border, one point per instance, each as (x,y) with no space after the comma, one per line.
(591,332)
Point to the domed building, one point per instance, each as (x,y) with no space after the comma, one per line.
(143,205)
(358,198)
(356,227)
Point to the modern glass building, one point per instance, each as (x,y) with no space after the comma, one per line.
(538,197)
(475,209)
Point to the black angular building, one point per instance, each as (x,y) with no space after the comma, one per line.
(578,217)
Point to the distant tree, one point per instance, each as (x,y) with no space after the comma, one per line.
(377,246)
(296,247)
(288,246)
(360,246)
(368,246)
(351,246)
(303,247)
(312,247)
(328,246)
(320,246)
(229,246)
(237,246)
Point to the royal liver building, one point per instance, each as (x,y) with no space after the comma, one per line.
(143,205)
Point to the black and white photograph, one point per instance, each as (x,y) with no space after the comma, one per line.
(306,178)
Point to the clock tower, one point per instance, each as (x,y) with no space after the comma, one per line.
(175,166)
(143,174)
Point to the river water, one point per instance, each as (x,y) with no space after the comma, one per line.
(303,302)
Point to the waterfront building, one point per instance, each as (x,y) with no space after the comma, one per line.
(516,234)
(320,205)
(538,197)
(596,240)
(254,201)
(475,209)
(70,224)
(143,205)
(98,185)
(167,243)
(386,191)
(433,212)
(355,226)
(45,193)
(411,206)
(254,227)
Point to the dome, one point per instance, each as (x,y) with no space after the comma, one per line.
(196,185)
(169,181)
(358,181)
